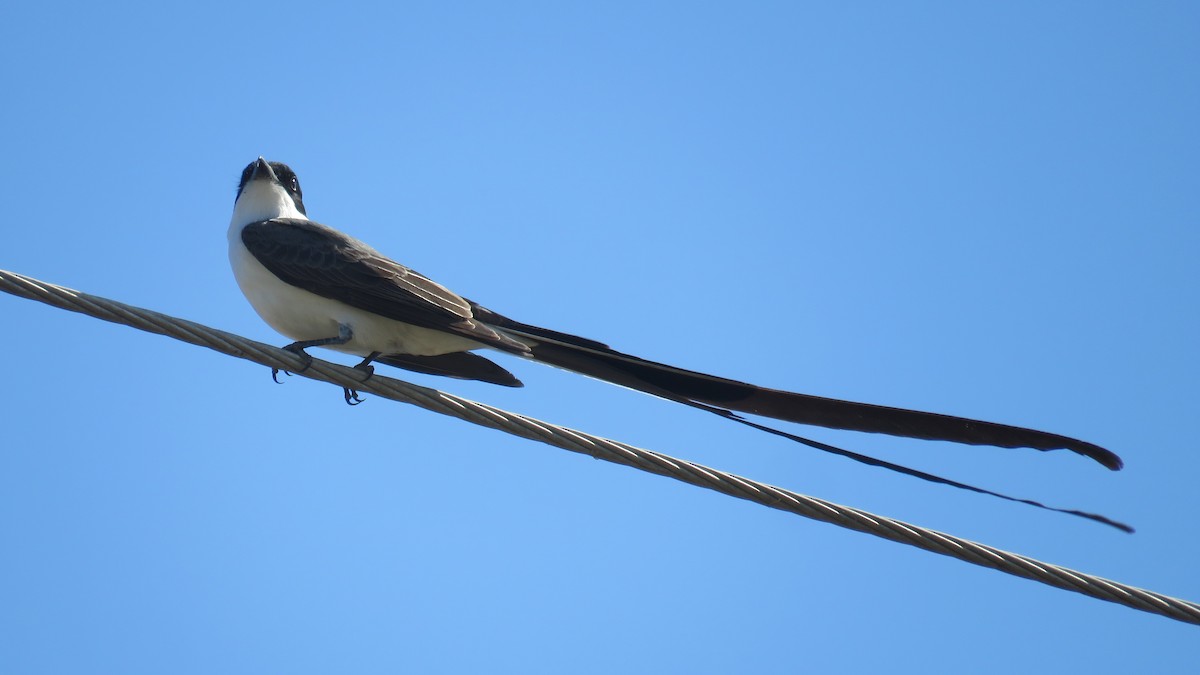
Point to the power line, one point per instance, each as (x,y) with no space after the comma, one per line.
(602,448)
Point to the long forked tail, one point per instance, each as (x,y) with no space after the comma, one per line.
(721,396)
(597,360)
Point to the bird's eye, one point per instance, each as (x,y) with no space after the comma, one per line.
(295,184)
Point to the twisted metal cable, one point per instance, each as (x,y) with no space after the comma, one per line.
(601,448)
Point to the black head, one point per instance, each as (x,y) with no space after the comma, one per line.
(278,172)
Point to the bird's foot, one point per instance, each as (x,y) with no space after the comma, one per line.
(296,348)
(365,366)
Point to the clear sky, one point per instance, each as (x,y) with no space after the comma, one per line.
(988,211)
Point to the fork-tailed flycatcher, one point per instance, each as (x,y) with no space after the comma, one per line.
(323,288)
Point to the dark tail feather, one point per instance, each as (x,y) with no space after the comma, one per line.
(871,461)
(615,371)
(461,365)
(596,360)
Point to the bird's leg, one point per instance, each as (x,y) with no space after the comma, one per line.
(345,334)
(365,366)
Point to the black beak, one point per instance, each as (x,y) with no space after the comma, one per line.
(263,171)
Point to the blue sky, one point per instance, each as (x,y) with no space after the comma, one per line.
(987,211)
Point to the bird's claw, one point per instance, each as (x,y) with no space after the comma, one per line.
(296,349)
(352,396)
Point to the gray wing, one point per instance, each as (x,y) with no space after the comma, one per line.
(328,263)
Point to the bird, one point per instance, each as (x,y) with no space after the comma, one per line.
(324,288)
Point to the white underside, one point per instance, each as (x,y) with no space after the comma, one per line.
(301,315)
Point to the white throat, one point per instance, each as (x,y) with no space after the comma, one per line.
(263,200)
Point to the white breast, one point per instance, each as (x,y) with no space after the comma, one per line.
(301,315)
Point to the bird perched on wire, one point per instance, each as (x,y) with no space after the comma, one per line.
(323,288)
